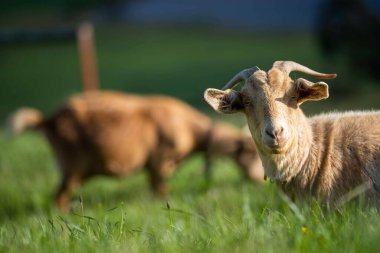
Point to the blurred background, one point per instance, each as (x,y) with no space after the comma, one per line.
(177,48)
(180,48)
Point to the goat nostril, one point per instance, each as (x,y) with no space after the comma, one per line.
(276,133)
(279,131)
(271,134)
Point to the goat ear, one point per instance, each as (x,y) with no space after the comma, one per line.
(224,101)
(311,91)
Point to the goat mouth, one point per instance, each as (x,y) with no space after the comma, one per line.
(276,150)
(275,147)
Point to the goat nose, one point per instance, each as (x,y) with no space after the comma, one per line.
(274,133)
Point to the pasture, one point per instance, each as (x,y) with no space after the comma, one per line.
(226,214)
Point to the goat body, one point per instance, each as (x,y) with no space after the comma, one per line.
(114,134)
(333,156)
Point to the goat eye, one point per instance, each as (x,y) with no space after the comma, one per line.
(294,97)
(246,101)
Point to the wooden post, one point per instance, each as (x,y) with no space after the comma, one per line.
(87,56)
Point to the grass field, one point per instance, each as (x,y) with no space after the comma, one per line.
(226,214)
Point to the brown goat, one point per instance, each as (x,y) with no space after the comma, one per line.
(114,134)
(327,157)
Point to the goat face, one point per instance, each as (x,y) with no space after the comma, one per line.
(270,100)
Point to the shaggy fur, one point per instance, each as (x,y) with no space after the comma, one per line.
(114,134)
(323,157)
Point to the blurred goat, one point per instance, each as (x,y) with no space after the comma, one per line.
(114,134)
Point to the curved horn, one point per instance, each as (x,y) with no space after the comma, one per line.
(289,66)
(241,76)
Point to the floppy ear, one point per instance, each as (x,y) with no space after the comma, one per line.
(307,90)
(224,101)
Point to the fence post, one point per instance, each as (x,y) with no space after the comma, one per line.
(87,56)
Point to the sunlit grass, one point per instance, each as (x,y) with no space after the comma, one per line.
(227,214)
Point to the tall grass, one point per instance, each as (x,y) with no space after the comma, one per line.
(227,214)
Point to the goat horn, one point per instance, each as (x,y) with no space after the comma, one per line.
(241,76)
(289,66)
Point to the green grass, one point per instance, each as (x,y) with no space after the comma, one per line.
(227,214)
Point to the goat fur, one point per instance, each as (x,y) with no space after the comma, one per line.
(116,134)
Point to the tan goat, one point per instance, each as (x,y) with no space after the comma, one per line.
(114,134)
(323,157)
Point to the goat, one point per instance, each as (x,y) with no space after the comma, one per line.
(325,157)
(116,134)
